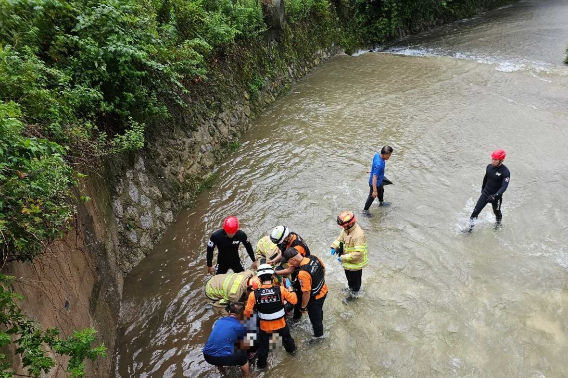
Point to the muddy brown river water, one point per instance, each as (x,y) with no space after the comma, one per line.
(436,303)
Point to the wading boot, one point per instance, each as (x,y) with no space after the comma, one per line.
(498,221)
(469,228)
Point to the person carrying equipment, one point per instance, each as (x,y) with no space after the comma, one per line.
(227,241)
(284,239)
(495,183)
(226,345)
(231,287)
(268,301)
(311,278)
(376,178)
(351,249)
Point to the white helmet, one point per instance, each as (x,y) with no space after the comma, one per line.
(265,270)
(279,234)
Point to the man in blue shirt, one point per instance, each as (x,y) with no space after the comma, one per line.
(377,176)
(226,345)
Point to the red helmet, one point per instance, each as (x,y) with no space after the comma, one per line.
(498,154)
(231,225)
(253,283)
(346,219)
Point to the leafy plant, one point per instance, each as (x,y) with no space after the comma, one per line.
(31,342)
(255,86)
(35,181)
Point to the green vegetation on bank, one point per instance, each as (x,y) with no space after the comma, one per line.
(82,80)
(32,342)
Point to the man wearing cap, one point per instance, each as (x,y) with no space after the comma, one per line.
(231,287)
(311,279)
(228,240)
(495,183)
(268,301)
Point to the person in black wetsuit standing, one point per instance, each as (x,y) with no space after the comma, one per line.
(228,240)
(495,183)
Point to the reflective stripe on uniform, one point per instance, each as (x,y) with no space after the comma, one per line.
(237,283)
(357,237)
(318,288)
(273,316)
(222,293)
(226,282)
(355,266)
(212,293)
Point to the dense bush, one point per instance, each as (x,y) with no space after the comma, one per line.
(80,80)
(304,10)
(35,181)
(84,79)
(377,21)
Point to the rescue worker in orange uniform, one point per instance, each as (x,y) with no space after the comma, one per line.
(268,301)
(284,239)
(311,278)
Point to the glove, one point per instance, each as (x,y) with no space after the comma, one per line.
(333,251)
(492,197)
(288,307)
(339,259)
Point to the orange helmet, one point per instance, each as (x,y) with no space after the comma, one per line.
(346,219)
(253,283)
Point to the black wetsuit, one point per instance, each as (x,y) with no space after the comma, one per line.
(228,257)
(495,183)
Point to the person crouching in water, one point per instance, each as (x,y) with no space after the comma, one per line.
(351,250)
(226,345)
(223,289)
(268,301)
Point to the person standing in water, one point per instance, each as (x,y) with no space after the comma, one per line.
(376,187)
(351,250)
(227,240)
(495,183)
(268,300)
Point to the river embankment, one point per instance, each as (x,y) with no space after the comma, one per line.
(436,302)
(135,195)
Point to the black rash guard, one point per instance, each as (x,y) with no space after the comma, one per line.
(228,247)
(496,180)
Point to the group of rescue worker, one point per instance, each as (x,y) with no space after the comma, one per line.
(290,280)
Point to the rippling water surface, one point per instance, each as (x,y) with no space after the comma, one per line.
(437,303)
